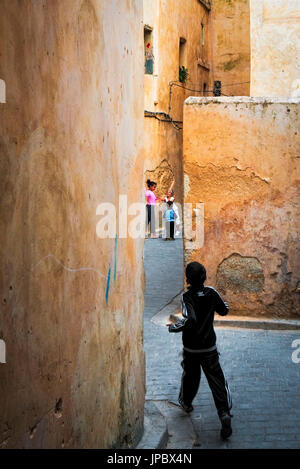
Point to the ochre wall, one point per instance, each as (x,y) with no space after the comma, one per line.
(230,46)
(71,137)
(176,20)
(275,32)
(224,56)
(171,20)
(151,18)
(163,148)
(241,160)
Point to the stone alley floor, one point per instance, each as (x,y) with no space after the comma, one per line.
(264,381)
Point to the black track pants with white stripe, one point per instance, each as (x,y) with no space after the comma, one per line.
(209,362)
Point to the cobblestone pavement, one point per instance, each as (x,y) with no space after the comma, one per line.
(264,381)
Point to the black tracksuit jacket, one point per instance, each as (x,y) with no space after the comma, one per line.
(198,308)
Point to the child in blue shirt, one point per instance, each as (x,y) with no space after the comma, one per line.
(170,217)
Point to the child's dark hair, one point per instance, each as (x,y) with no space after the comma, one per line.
(170,203)
(195,274)
(151,183)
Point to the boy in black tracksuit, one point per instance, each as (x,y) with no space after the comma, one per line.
(199,304)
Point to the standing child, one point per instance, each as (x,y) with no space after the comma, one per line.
(170,217)
(150,207)
(199,304)
(171,197)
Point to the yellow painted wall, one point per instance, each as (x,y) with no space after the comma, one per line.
(71,138)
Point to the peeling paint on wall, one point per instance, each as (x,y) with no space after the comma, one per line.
(240,274)
(242,164)
(164,177)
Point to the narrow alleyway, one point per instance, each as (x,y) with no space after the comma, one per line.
(163,262)
(264,381)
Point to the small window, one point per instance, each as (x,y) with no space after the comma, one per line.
(183,71)
(148,47)
(202,34)
(204,89)
(217,88)
(182,52)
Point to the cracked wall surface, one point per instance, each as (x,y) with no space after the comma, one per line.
(241,159)
(240,274)
(163,176)
(71,137)
(163,156)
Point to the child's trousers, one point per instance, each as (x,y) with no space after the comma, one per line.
(150,218)
(209,362)
(170,227)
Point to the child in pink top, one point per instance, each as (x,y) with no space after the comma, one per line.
(150,205)
(151,197)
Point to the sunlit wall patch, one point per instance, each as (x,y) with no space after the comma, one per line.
(2,91)
(2,351)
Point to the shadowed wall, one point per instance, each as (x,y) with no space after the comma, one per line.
(71,138)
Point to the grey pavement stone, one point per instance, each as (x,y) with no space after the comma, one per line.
(257,363)
(155,428)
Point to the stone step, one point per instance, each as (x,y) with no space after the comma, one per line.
(155,434)
(180,427)
(248,322)
(171,313)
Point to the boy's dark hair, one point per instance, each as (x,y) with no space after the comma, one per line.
(195,274)
(170,203)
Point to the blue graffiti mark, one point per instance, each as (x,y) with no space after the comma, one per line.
(107,284)
(115,265)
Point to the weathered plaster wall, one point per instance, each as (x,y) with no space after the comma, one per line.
(230,45)
(171,20)
(70,138)
(181,20)
(163,149)
(151,19)
(275,36)
(241,159)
